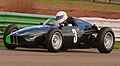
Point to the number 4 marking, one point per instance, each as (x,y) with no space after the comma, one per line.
(75,35)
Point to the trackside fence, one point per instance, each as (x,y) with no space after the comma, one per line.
(21,19)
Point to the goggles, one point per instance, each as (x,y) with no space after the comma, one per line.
(59,17)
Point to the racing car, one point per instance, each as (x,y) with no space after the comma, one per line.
(54,38)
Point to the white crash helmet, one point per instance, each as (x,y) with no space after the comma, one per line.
(61,16)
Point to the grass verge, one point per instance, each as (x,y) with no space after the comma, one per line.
(1,43)
(117,45)
(82,3)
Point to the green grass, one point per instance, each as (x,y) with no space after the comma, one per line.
(82,3)
(1,43)
(117,45)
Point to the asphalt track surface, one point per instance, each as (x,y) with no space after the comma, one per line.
(75,57)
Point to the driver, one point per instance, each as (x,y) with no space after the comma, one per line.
(64,20)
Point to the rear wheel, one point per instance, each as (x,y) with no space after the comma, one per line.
(54,40)
(105,40)
(9,30)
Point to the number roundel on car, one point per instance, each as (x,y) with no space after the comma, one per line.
(75,35)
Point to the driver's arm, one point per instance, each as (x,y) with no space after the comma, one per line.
(70,20)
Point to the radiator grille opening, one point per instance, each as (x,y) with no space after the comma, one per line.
(14,39)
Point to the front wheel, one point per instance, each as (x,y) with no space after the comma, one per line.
(54,40)
(105,40)
(9,30)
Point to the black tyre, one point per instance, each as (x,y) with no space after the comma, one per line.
(105,40)
(54,40)
(9,29)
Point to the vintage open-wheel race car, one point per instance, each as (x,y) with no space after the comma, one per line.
(50,36)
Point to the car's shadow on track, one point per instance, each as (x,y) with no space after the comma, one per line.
(62,51)
(80,51)
(46,51)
